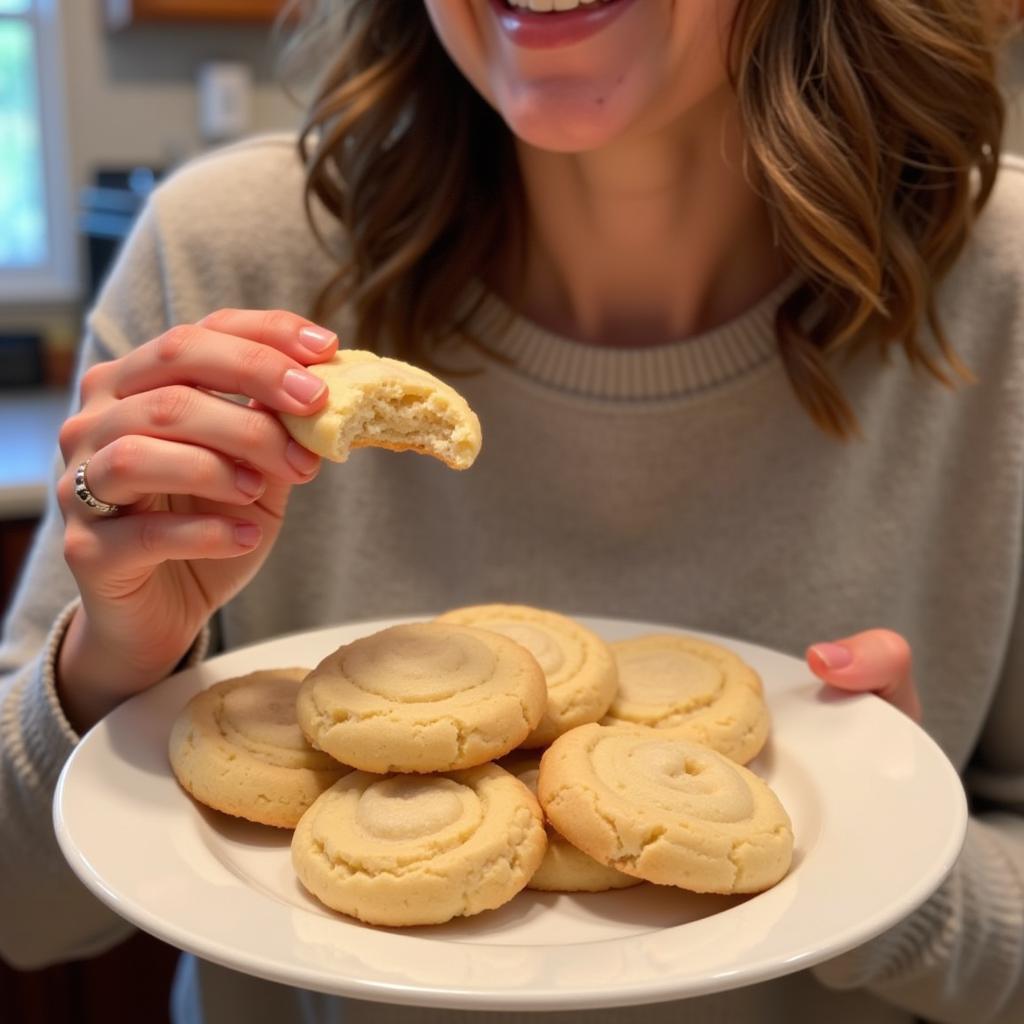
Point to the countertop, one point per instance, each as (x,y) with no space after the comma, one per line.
(29,424)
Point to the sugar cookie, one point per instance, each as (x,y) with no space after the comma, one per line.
(378,402)
(665,809)
(564,867)
(237,747)
(414,849)
(692,689)
(579,668)
(423,697)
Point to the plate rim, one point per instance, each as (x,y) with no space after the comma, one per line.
(441,996)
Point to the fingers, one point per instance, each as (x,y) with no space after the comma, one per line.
(303,340)
(107,549)
(190,416)
(151,424)
(875,661)
(267,365)
(161,389)
(134,467)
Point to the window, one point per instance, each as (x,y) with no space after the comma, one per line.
(36,233)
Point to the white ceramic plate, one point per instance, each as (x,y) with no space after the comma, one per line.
(878,814)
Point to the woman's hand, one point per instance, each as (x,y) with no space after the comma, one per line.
(876,661)
(202,481)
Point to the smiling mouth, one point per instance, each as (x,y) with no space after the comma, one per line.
(554,6)
(550,24)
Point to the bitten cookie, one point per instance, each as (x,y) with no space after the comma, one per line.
(667,810)
(378,402)
(423,697)
(237,747)
(407,850)
(579,668)
(564,868)
(692,689)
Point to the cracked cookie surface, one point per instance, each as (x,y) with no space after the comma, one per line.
(423,697)
(410,850)
(237,747)
(578,666)
(374,401)
(665,810)
(564,868)
(692,689)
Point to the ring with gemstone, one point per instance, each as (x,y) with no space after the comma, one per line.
(101,508)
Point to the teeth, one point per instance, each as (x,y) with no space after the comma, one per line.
(542,6)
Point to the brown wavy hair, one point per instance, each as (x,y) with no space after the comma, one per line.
(872,128)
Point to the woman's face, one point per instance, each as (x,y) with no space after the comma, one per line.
(580,79)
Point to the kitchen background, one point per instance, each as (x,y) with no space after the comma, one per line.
(97,99)
(109,93)
(122,91)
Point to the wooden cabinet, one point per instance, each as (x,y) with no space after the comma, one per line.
(124,13)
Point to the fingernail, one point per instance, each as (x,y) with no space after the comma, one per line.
(301,459)
(248,481)
(316,339)
(302,386)
(247,534)
(833,656)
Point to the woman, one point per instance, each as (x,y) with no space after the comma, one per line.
(671,244)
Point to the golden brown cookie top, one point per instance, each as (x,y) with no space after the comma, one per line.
(374,401)
(423,697)
(578,665)
(692,688)
(665,809)
(255,714)
(564,868)
(237,747)
(406,850)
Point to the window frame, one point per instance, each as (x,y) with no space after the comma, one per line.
(56,280)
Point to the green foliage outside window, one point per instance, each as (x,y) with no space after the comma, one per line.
(23,233)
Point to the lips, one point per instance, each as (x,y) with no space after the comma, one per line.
(549,29)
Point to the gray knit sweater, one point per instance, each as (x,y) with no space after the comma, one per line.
(679,484)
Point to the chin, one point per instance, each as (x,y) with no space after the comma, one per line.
(568,119)
(564,135)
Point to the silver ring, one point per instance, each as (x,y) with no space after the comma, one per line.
(101,508)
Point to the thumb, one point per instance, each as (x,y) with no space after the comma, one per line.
(875,661)
(269,509)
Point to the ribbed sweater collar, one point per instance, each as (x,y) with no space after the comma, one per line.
(671,370)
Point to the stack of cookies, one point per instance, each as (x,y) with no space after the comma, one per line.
(436,769)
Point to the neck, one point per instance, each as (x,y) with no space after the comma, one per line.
(645,241)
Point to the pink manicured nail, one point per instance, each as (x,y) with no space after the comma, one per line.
(316,339)
(248,481)
(833,656)
(301,459)
(247,534)
(302,386)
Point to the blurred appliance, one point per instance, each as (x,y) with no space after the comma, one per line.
(225,100)
(22,363)
(107,210)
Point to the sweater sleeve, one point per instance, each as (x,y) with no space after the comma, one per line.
(960,958)
(48,915)
(181,255)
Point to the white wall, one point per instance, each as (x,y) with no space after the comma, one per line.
(132,99)
(132,94)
